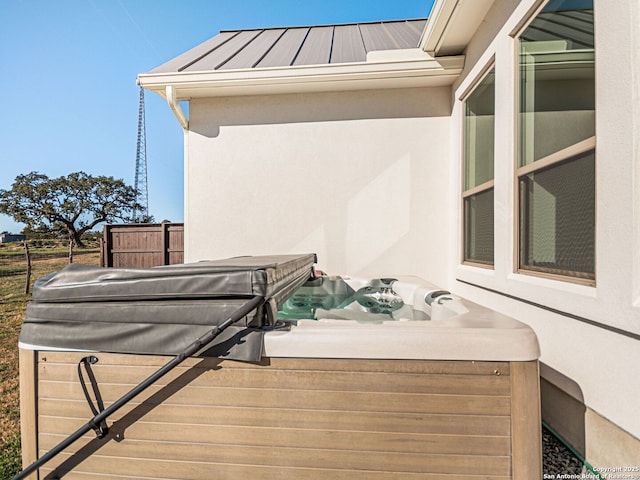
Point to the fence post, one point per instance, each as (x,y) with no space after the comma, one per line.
(164,230)
(71,242)
(28,256)
(107,245)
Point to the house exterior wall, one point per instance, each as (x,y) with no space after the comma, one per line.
(371,182)
(595,363)
(10,237)
(360,178)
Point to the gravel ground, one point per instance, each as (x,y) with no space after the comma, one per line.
(557,459)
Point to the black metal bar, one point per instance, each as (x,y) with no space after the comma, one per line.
(197,345)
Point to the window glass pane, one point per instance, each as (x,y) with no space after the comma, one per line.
(557,212)
(478,219)
(478,133)
(557,89)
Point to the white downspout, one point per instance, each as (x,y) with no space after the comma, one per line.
(184,122)
(175,107)
(186,253)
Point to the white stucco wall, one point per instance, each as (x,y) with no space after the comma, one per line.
(370,181)
(604,363)
(360,178)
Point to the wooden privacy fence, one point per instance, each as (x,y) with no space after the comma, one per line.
(143,245)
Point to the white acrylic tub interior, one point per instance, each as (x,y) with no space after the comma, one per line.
(454,329)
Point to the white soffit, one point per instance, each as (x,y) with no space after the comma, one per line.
(452,24)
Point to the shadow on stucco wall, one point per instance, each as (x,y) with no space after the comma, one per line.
(209,114)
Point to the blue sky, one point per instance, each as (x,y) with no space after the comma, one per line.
(68,79)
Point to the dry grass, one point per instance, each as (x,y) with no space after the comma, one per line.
(13,303)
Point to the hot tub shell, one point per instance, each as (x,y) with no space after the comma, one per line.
(454,397)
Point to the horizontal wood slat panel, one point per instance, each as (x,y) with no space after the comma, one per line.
(282,437)
(101,476)
(297,418)
(296,379)
(236,472)
(197,471)
(364,461)
(304,399)
(443,367)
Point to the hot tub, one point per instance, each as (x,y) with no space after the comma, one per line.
(376,379)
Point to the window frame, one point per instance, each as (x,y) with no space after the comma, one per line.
(549,161)
(477,189)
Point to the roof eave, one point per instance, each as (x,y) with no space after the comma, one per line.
(451,26)
(413,70)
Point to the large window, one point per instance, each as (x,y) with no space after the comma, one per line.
(556,142)
(477,196)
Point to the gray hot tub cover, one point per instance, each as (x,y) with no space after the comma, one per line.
(161,310)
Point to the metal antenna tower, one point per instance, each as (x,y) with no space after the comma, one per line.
(142,214)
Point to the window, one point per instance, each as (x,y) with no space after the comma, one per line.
(477,195)
(556,142)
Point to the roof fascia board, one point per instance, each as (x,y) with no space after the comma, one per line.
(397,55)
(451,25)
(305,78)
(436,26)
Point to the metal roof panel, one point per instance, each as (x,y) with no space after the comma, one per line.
(404,34)
(347,45)
(193,55)
(281,47)
(284,51)
(224,52)
(400,36)
(253,52)
(376,37)
(316,49)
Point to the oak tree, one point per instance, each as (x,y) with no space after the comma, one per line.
(73,204)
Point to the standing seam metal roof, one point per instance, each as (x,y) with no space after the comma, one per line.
(282,47)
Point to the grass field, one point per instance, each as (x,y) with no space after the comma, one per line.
(13,302)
